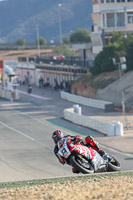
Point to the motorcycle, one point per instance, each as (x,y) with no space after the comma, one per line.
(29,89)
(86,160)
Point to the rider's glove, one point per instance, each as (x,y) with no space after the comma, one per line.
(78,139)
(91,138)
(62,161)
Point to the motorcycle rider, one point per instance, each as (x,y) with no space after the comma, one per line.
(71,141)
(29,89)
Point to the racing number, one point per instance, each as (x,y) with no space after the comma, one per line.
(64,151)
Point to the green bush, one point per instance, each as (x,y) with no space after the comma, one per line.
(103,61)
(129,56)
(80,36)
(21,42)
(42,41)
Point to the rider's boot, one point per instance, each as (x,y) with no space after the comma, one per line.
(74,170)
(89,141)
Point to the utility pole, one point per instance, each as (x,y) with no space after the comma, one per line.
(60,23)
(38,42)
(3,62)
(122,62)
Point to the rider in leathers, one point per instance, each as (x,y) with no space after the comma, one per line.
(88,141)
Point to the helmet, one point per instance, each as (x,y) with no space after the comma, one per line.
(57,135)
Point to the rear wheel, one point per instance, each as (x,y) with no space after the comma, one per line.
(114,165)
(81,163)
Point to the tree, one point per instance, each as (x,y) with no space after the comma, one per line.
(80,36)
(66,51)
(121,46)
(42,41)
(103,61)
(66,40)
(117,37)
(21,42)
(126,43)
(129,56)
(122,39)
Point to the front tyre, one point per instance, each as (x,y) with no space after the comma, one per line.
(113,165)
(81,164)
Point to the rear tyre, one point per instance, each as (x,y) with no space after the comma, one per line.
(113,165)
(81,164)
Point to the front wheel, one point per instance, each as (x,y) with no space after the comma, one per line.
(81,164)
(113,165)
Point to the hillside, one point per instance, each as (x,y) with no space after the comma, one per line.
(107,86)
(20,18)
(113,92)
(88,85)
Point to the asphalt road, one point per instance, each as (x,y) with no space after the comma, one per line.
(26,147)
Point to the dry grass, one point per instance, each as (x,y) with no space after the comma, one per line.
(14,54)
(102,188)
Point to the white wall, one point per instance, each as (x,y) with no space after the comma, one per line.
(111,129)
(84,101)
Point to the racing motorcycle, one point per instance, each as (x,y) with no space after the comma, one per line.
(85,159)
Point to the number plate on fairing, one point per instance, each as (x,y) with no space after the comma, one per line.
(63,149)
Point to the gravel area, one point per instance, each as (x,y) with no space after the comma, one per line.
(101,188)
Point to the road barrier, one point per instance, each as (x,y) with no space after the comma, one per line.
(106,105)
(111,129)
(9,95)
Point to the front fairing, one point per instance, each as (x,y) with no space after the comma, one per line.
(63,149)
(85,151)
(98,162)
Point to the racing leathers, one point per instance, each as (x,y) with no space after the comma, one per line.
(71,141)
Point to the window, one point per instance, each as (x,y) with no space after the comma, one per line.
(113,20)
(110,20)
(103,19)
(130,13)
(120,22)
(130,20)
(130,17)
(108,1)
(121,1)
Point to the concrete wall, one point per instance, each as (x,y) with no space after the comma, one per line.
(9,95)
(86,121)
(106,105)
(111,129)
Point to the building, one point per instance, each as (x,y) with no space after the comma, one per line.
(109,16)
(26,72)
(51,74)
(85,52)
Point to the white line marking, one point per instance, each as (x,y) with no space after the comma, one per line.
(13,129)
(21,133)
(116,151)
(36,96)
